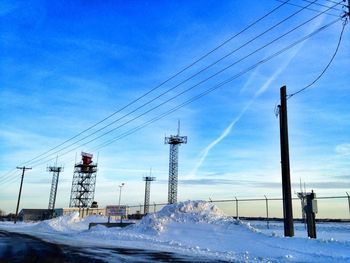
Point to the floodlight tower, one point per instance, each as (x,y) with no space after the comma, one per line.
(174,141)
(84,180)
(55,170)
(148,180)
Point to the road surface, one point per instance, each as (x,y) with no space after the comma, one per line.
(15,247)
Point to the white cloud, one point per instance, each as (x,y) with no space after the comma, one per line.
(343,149)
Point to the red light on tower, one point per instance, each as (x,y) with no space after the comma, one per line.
(86,157)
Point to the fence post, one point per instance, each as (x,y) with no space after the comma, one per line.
(236,207)
(267,211)
(154,207)
(348,200)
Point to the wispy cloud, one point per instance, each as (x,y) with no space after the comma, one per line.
(209,182)
(223,135)
(343,149)
(343,177)
(309,185)
(213,182)
(265,185)
(260,91)
(228,129)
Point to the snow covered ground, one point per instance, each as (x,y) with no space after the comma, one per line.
(197,228)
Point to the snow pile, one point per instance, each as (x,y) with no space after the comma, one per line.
(183,212)
(199,228)
(68,223)
(61,224)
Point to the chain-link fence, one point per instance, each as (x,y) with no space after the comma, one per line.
(329,207)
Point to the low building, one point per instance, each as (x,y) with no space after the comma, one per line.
(34,214)
(44,214)
(87,211)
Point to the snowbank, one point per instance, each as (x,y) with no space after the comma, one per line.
(197,228)
(183,212)
(69,223)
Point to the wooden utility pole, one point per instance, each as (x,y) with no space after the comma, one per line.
(286,186)
(20,189)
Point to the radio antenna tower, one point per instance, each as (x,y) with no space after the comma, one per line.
(55,170)
(148,180)
(84,180)
(174,141)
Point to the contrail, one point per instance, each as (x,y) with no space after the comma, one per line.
(262,89)
(226,132)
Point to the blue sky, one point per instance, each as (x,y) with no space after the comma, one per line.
(68,64)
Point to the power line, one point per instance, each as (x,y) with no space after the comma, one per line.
(235,50)
(158,86)
(167,80)
(186,90)
(9,179)
(331,1)
(217,86)
(123,125)
(333,8)
(189,88)
(327,66)
(201,82)
(8,175)
(308,8)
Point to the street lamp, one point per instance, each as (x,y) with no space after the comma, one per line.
(120,192)
(120,195)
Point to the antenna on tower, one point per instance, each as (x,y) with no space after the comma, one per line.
(178,127)
(98,155)
(174,141)
(148,180)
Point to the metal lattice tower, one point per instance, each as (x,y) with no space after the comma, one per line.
(148,180)
(84,180)
(55,170)
(174,141)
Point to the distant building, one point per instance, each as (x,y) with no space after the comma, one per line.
(38,214)
(34,214)
(84,211)
(44,214)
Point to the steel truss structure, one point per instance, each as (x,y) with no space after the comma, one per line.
(148,180)
(55,170)
(174,141)
(83,184)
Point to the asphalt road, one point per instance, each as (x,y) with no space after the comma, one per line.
(15,247)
